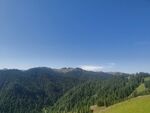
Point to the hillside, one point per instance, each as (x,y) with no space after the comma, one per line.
(63,90)
(139,104)
(142,89)
(104,92)
(31,90)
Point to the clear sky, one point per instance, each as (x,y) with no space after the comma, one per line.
(108,35)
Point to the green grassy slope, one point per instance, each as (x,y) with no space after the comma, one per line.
(147,79)
(136,105)
(141,89)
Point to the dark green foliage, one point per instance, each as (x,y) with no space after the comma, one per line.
(32,90)
(48,90)
(29,91)
(104,92)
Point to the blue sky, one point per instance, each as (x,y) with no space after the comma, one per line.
(108,35)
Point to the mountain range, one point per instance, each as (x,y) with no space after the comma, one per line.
(46,90)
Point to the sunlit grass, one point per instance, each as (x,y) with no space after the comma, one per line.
(135,105)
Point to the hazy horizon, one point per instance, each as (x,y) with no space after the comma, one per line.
(89,69)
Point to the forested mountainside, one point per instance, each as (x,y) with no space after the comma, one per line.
(104,92)
(64,90)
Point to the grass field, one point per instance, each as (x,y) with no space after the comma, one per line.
(141,89)
(138,91)
(147,79)
(136,105)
